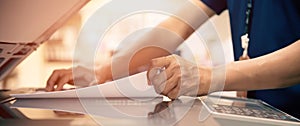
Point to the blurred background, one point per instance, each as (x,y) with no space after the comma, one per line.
(57,53)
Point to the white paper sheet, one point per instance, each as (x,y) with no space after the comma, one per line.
(132,86)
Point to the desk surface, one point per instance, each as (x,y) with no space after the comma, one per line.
(117,111)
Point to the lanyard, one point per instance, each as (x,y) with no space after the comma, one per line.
(245,38)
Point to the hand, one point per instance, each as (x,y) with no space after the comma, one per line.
(82,77)
(173,76)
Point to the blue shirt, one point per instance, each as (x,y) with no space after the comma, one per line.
(274,24)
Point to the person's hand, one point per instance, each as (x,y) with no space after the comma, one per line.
(173,76)
(80,76)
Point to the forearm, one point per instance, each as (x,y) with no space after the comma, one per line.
(134,57)
(276,70)
(190,17)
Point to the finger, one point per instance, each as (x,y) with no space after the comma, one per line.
(52,81)
(160,62)
(62,81)
(174,93)
(160,77)
(168,72)
(156,66)
(172,78)
(160,82)
(151,74)
(169,85)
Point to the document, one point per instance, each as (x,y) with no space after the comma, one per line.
(132,86)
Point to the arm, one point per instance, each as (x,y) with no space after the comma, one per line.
(180,77)
(160,41)
(276,70)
